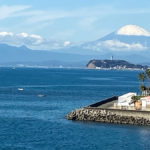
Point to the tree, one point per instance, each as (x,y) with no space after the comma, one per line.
(142,88)
(135,99)
(148,73)
(148,76)
(142,77)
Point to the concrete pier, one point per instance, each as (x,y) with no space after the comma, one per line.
(104,112)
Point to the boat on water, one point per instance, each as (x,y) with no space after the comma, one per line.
(20,89)
(41,95)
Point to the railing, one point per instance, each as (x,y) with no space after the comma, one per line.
(146,93)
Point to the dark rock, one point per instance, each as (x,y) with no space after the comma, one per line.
(84,114)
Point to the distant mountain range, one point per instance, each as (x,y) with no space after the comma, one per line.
(12,56)
(131,43)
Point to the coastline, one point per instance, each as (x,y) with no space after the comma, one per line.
(83,68)
(122,69)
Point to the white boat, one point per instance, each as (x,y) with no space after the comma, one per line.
(41,95)
(20,89)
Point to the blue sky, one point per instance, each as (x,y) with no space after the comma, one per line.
(73,20)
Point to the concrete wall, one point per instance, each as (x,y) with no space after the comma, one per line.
(134,113)
(110,116)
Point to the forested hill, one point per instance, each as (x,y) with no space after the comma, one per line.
(113,64)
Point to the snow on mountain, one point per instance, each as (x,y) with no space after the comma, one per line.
(127,38)
(132,30)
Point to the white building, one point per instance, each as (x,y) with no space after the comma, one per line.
(126,99)
(145,101)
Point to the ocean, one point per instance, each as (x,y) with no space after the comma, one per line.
(33,116)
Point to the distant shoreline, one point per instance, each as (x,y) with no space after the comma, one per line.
(126,69)
(83,68)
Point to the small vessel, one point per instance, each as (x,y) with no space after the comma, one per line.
(20,89)
(41,95)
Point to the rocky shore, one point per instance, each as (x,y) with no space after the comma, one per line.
(110,116)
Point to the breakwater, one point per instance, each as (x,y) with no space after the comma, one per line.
(97,112)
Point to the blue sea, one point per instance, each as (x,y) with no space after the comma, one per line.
(30,122)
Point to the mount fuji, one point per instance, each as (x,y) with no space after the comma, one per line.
(130,43)
(127,38)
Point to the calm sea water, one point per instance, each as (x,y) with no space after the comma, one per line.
(29,122)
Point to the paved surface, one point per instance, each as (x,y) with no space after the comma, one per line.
(108,105)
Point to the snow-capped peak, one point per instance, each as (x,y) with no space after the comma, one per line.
(132,30)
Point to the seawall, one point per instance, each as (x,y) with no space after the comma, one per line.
(96,112)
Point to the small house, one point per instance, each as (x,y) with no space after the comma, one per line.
(145,101)
(126,99)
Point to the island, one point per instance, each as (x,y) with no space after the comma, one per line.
(113,64)
(128,108)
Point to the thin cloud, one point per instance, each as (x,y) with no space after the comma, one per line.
(116,45)
(35,16)
(88,14)
(9,11)
(84,16)
(32,41)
